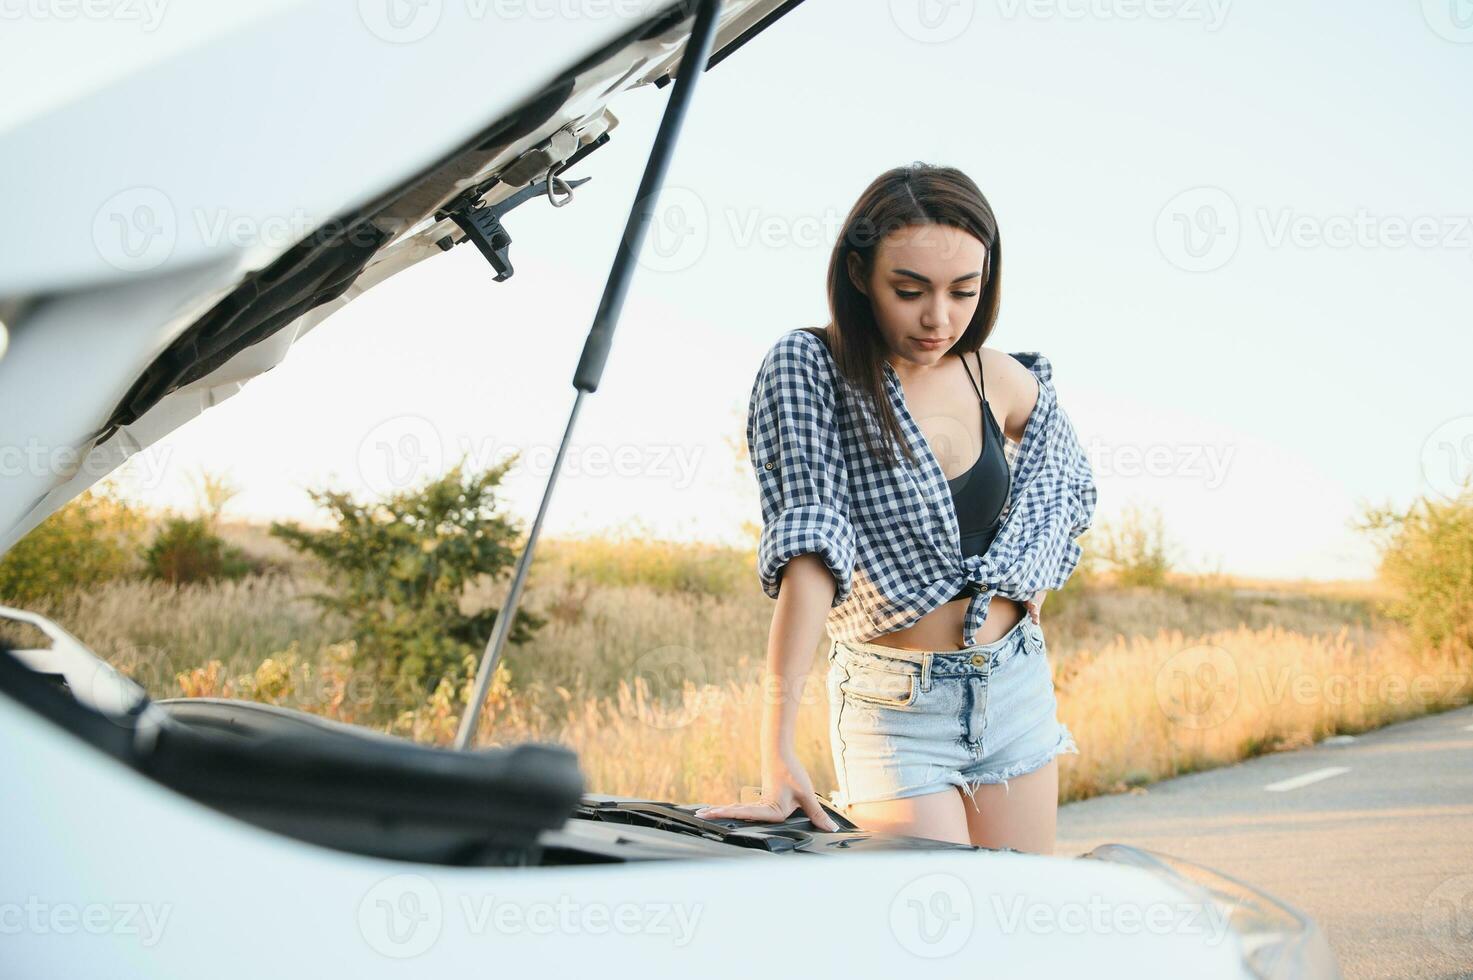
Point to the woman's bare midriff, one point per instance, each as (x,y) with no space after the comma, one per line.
(941,628)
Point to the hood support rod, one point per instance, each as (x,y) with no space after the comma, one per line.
(596,348)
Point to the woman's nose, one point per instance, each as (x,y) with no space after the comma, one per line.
(933,316)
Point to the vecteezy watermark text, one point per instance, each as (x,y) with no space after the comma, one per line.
(38,917)
(147,14)
(404,915)
(1201,229)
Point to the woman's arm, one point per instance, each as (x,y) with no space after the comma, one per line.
(806,589)
(1018,388)
(805,556)
(803,601)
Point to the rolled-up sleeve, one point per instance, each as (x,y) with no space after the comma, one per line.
(1052,498)
(1080,492)
(793,440)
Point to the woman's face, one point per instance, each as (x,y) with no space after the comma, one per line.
(926,285)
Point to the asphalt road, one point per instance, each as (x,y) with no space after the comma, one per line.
(1371,836)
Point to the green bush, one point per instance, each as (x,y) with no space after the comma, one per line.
(1135,547)
(401,567)
(1427,561)
(92,539)
(187,550)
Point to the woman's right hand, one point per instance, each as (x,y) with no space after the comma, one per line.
(785,787)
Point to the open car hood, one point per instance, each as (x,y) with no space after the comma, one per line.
(351,791)
(171,235)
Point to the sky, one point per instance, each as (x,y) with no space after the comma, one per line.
(1242,234)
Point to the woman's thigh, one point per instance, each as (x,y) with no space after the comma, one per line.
(1016,784)
(1022,815)
(897,745)
(937,816)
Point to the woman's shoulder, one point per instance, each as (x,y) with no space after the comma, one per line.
(804,342)
(1019,378)
(1018,363)
(803,350)
(798,364)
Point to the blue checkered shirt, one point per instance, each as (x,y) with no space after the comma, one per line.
(889,534)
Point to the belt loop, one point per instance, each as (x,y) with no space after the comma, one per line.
(926,671)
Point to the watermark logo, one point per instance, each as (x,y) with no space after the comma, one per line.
(140,228)
(1284,226)
(949,438)
(148,14)
(398,452)
(34,458)
(1364,688)
(1447,457)
(1197,687)
(933,916)
(570,917)
(401,451)
(115,693)
(1447,916)
(1451,20)
(1163,460)
(678,233)
(1199,230)
(664,672)
(400,21)
(933,21)
(34,916)
(136,229)
(401,916)
(1099,916)
(1211,14)
(407,21)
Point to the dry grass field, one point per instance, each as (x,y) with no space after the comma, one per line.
(648,665)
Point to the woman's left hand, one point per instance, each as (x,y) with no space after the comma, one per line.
(1035,605)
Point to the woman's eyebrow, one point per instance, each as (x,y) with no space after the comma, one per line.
(917,275)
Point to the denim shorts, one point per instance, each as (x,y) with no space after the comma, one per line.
(905,723)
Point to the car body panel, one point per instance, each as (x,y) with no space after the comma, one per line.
(250,902)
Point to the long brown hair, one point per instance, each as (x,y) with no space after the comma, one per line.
(915,194)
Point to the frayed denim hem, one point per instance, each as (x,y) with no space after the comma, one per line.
(1063,745)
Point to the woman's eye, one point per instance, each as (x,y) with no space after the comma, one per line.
(904,294)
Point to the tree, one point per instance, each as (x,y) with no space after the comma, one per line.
(188,549)
(91,540)
(401,566)
(1137,547)
(1427,566)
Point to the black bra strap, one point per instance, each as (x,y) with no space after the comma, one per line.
(974,380)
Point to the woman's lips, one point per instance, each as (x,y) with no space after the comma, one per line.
(930,344)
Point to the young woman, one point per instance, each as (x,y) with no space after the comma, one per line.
(896,515)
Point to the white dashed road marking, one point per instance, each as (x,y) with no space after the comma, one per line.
(1305,779)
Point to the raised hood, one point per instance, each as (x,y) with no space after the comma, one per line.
(351,140)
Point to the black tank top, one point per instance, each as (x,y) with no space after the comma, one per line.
(980,493)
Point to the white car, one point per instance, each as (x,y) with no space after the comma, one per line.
(207,837)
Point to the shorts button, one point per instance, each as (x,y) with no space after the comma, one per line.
(978,660)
